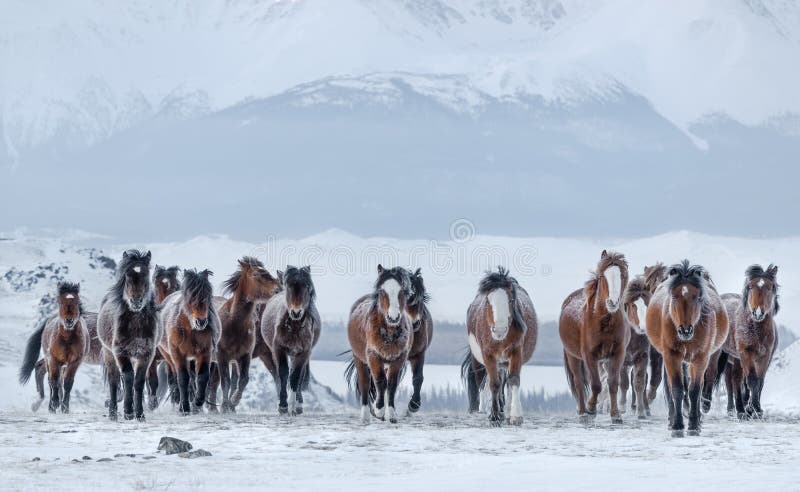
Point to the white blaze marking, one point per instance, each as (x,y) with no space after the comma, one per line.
(501,312)
(641,312)
(614,278)
(759,312)
(392,289)
(685,291)
(516,403)
(165,281)
(137,269)
(69,296)
(475,348)
(761,282)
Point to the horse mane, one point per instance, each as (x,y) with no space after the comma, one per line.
(607,259)
(756,271)
(637,288)
(66,287)
(197,288)
(695,275)
(230,285)
(302,274)
(167,271)
(591,286)
(400,274)
(612,258)
(501,279)
(654,275)
(419,293)
(130,259)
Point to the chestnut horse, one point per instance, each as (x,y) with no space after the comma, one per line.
(191,331)
(593,329)
(248,287)
(502,330)
(290,328)
(653,276)
(165,281)
(422,324)
(64,340)
(753,337)
(381,334)
(130,330)
(686,323)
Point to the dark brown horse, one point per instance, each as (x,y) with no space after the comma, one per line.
(290,328)
(637,356)
(686,323)
(130,330)
(191,331)
(381,334)
(64,340)
(422,323)
(753,337)
(502,330)
(653,276)
(249,286)
(593,329)
(165,282)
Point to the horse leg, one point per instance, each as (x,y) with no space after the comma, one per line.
(152,384)
(673,366)
(126,368)
(514,370)
(69,380)
(295,377)
(182,369)
(41,370)
(224,368)
(376,368)
(416,371)
(54,376)
(656,370)
(112,373)
(282,361)
(754,382)
(575,367)
(697,372)
(737,382)
(708,380)
(139,380)
(201,366)
(363,388)
(393,379)
(729,388)
(640,385)
(213,385)
(243,364)
(495,382)
(595,383)
(476,376)
(614,370)
(624,386)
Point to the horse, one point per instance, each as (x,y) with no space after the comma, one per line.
(64,340)
(753,338)
(290,328)
(502,330)
(686,323)
(380,334)
(191,331)
(637,356)
(422,324)
(593,329)
(129,328)
(248,287)
(653,276)
(165,281)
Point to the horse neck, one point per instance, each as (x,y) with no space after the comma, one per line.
(241,305)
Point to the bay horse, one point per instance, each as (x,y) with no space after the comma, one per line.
(191,330)
(290,328)
(64,340)
(653,276)
(686,323)
(165,281)
(637,356)
(129,328)
(502,330)
(380,334)
(248,287)
(593,329)
(422,324)
(753,337)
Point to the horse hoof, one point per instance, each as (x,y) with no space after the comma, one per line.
(515,420)
(365,414)
(128,416)
(693,432)
(647,412)
(152,404)
(616,420)
(585,418)
(642,417)
(140,418)
(495,422)
(113,417)
(677,433)
(742,416)
(298,410)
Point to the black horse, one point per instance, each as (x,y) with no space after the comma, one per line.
(130,331)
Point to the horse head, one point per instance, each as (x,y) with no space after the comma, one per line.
(687,287)
(253,281)
(197,295)
(69,304)
(392,291)
(299,290)
(166,281)
(415,306)
(760,293)
(502,309)
(611,279)
(636,299)
(134,279)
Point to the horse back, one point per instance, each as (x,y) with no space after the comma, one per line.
(356,327)
(570,322)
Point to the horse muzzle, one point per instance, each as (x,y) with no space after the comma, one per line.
(200,323)
(611,306)
(296,314)
(69,323)
(136,304)
(393,321)
(759,314)
(685,332)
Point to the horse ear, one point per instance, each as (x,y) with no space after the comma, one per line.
(147,256)
(604,255)
(306,269)
(380,268)
(772,270)
(242,264)
(124,254)
(207,273)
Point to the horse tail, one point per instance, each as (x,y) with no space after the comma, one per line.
(473,378)
(571,377)
(351,376)
(41,369)
(32,349)
(721,363)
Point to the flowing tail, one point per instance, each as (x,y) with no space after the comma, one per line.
(351,376)
(473,373)
(32,350)
(721,365)
(41,369)
(571,377)
(305,378)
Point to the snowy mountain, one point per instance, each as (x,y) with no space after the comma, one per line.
(547,99)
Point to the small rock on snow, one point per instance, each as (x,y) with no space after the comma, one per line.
(195,454)
(171,445)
